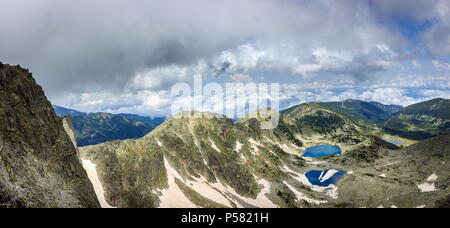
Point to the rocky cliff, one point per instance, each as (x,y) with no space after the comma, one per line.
(39,166)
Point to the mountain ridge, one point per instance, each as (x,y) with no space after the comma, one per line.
(95,128)
(422,120)
(247,166)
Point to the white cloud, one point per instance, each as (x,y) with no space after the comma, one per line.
(441,65)
(435,93)
(416,64)
(241,78)
(387,96)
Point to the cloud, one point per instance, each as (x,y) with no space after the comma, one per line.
(241,78)
(438,39)
(430,20)
(413,9)
(441,65)
(122,56)
(92,46)
(416,64)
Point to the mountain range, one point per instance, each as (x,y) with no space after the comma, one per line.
(415,122)
(213,161)
(422,120)
(190,162)
(95,128)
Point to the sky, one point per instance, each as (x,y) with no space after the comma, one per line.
(125,56)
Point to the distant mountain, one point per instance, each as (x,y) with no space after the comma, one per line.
(152,121)
(388,109)
(95,128)
(422,120)
(309,119)
(39,165)
(61,111)
(370,112)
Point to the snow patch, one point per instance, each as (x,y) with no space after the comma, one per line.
(91,171)
(255,145)
(315,162)
(173,197)
(330,173)
(331,190)
(432,178)
(389,164)
(261,200)
(214,145)
(427,187)
(217,192)
(301,196)
(238,146)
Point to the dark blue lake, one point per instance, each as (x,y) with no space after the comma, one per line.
(322,151)
(324,177)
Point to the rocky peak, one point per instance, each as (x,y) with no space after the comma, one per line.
(37,157)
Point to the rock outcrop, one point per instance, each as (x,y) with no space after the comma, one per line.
(39,166)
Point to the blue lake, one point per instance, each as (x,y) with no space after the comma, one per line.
(322,151)
(324,177)
(396,142)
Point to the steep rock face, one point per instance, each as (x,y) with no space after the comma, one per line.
(422,120)
(38,162)
(68,127)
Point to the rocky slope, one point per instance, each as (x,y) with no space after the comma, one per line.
(182,157)
(39,166)
(213,162)
(416,176)
(422,120)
